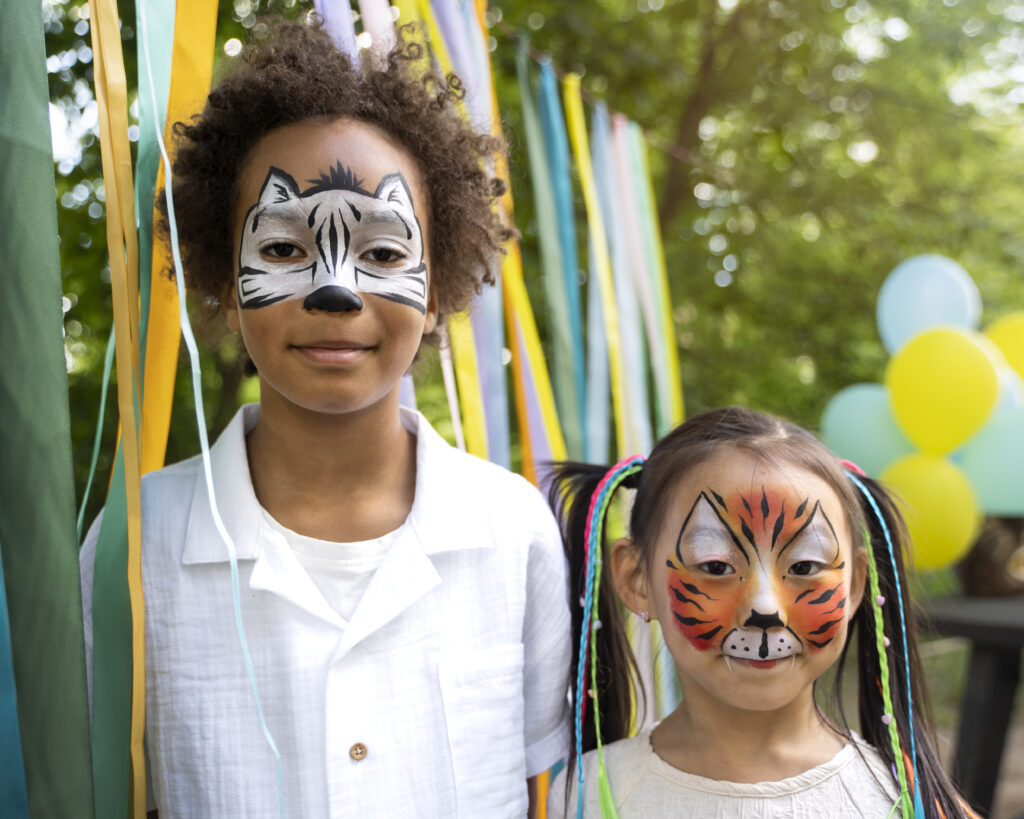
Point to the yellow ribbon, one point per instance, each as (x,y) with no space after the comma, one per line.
(581,150)
(191,67)
(677,406)
(122,243)
(460,330)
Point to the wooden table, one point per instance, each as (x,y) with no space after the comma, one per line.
(995,627)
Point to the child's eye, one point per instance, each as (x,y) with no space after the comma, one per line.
(281,250)
(382,255)
(804,568)
(717,567)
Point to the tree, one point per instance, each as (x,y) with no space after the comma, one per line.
(808,148)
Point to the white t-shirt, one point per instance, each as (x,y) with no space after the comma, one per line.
(340,571)
(644,786)
(450,672)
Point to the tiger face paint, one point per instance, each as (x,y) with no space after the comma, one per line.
(757,575)
(331,242)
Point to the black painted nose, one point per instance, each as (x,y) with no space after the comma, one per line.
(766,621)
(333,299)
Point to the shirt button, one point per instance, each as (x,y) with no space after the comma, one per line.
(357,751)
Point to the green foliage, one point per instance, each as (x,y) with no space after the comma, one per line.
(811,147)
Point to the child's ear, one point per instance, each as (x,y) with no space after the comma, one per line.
(629,575)
(229,307)
(430,320)
(860,575)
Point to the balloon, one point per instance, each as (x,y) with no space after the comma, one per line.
(924,292)
(943,384)
(938,505)
(858,425)
(993,461)
(1011,389)
(1007,334)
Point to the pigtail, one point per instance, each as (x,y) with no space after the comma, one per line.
(603,666)
(892,700)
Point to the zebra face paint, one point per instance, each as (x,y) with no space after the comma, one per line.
(757,575)
(330,243)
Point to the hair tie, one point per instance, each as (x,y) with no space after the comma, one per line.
(593,535)
(853,467)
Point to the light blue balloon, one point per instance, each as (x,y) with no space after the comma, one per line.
(924,292)
(993,461)
(858,425)
(1011,390)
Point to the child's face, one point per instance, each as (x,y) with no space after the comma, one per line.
(754,580)
(331,283)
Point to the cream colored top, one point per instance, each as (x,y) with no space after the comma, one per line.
(849,785)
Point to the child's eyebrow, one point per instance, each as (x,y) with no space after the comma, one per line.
(278,213)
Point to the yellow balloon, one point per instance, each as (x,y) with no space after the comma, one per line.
(939,506)
(943,384)
(1007,334)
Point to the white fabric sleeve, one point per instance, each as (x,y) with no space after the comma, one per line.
(546,641)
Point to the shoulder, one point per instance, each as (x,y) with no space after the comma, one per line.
(866,772)
(460,481)
(625,762)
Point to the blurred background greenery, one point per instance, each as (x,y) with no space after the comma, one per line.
(800,151)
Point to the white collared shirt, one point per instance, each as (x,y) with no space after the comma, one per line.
(451,672)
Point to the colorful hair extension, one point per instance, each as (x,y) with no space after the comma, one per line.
(877,601)
(593,538)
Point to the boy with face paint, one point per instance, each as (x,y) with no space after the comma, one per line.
(404,603)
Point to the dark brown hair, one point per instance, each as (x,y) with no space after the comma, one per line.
(296,74)
(776,441)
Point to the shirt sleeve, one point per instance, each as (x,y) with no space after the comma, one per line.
(546,641)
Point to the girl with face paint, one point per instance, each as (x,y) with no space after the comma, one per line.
(758,554)
(403,602)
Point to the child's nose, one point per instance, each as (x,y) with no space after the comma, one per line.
(765,609)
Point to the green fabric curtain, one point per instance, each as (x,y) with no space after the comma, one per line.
(37,513)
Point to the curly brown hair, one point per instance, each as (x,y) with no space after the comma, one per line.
(296,74)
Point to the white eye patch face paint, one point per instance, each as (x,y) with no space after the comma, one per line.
(331,242)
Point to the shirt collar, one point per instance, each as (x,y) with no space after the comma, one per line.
(443,517)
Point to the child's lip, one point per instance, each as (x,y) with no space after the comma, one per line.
(332,344)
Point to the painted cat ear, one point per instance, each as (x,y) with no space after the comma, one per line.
(393,190)
(278,187)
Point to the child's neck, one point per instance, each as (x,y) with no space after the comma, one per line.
(709,738)
(339,478)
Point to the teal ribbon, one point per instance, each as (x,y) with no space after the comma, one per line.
(13,791)
(556,151)
(563,352)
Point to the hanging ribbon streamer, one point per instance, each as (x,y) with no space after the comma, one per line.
(13,790)
(486,314)
(556,149)
(599,249)
(634,401)
(638,280)
(669,406)
(119,713)
(598,438)
(460,330)
(108,365)
(378,23)
(539,429)
(560,334)
(148,157)
(337,17)
(191,68)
